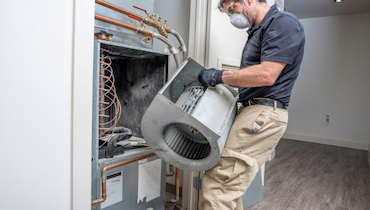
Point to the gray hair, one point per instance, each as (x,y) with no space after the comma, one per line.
(221,8)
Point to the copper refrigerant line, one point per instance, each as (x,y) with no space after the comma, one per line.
(150,21)
(104,176)
(144,32)
(108,99)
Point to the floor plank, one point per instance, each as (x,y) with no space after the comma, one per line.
(309,176)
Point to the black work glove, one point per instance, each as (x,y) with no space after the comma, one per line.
(210,77)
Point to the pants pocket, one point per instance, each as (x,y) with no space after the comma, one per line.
(241,130)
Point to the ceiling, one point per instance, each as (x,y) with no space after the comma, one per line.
(320,8)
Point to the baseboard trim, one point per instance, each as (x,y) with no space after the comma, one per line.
(333,142)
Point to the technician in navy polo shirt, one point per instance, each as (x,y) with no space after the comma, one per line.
(269,67)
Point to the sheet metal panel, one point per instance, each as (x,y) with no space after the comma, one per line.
(130,190)
(130,172)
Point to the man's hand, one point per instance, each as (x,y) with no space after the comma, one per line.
(210,77)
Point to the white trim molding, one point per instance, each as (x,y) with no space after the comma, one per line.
(222,62)
(280,5)
(198,31)
(333,142)
(189,193)
(82,77)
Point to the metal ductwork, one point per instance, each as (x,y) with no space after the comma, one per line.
(187,125)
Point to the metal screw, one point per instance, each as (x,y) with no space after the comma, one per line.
(193,130)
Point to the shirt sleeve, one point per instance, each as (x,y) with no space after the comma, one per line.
(281,39)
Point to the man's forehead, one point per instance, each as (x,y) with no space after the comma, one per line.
(227,3)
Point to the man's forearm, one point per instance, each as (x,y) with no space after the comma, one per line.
(264,74)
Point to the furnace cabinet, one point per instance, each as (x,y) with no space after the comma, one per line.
(138,75)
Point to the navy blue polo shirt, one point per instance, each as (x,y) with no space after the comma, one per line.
(279,37)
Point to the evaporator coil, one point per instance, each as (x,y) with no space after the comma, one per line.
(187,125)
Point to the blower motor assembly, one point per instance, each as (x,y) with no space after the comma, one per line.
(187,125)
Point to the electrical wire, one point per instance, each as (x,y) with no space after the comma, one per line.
(108,98)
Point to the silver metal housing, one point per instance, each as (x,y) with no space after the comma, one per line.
(186,125)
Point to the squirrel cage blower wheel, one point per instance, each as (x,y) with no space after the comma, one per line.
(187,125)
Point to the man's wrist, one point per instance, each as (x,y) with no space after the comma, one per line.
(218,77)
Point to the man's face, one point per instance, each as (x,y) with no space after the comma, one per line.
(232,6)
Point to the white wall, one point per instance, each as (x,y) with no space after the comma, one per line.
(37,73)
(334,80)
(225,41)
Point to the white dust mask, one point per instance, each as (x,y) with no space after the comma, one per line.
(239,20)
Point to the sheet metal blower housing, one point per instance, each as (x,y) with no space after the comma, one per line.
(187,125)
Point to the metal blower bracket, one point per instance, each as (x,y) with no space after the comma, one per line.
(212,117)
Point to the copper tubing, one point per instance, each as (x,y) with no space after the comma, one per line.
(177,186)
(104,176)
(172,172)
(101,93)
(108,98)
(115,22)
(147,20)
(118,9)
(177,183)
(142,31)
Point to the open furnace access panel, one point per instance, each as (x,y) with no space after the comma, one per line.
(126,80)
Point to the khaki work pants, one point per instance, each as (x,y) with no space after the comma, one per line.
(247,148)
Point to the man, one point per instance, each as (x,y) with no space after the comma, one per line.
(270,64)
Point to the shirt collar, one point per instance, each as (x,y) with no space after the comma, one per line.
(273,10)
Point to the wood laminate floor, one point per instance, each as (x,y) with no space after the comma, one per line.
(309,176)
